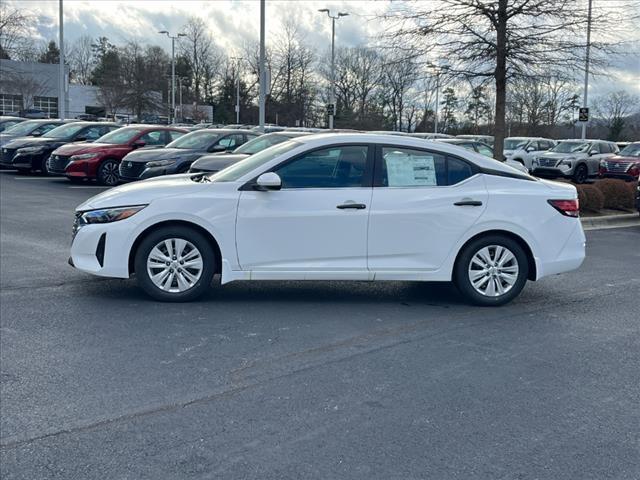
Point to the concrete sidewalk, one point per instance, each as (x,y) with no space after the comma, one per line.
(610,221)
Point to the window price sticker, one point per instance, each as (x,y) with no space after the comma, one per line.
(404,170)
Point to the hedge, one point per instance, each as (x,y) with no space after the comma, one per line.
(591,199)
(617,193)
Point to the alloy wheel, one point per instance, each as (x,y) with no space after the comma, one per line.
(110,173)
(493,270)
(174,265)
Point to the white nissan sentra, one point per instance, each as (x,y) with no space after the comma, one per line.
(336,207)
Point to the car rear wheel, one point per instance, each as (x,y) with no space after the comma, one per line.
(44,167)
(108,173)
(581,174)
(175,264)
(491,270)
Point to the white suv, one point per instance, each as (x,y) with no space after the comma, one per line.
(524,149)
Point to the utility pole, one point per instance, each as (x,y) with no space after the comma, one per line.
(586,70)
(332,94)
(435,118)
(62,101)
(262,68)
(173,72)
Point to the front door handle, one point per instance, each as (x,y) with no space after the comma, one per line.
(357,206)
(468,203)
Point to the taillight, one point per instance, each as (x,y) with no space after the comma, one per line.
(570,208)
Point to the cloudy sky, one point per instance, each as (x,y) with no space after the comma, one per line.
(234,22)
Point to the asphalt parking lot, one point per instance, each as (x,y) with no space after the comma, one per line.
(286,380)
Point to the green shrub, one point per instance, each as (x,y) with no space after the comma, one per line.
(617,193)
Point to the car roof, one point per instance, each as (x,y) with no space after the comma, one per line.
(10,117)
(228,130)
(145,126)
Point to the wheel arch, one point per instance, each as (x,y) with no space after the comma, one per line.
(531,262)
(182,223)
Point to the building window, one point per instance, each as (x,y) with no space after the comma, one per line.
(48,105)
(10,103)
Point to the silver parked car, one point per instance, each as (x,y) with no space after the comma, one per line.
(575,159)
(524,149)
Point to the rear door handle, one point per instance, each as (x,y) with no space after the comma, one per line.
(357,206)
(468,203)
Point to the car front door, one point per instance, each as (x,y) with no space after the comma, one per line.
(596,153)
(423,202)
(317,221)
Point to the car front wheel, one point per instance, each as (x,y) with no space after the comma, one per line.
(581,174)
(108,173)
(175,264)
(491,270)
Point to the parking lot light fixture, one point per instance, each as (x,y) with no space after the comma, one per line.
(332,95)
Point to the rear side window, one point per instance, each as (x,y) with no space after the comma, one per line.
(404,167)
(173,135)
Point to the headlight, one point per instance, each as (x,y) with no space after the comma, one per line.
(108,215)
(84,156)
(30,150)
(162,163)
(603,163)
(567,161)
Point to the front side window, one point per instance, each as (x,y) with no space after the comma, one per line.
(260,143)
(121,136)
(231,141)
(596,148)
(45,128)
(155,137)
(334,167)
(632,150)
(484,150)
(93,133)
(198,140)
(173,135)
(571,147)
(64,131)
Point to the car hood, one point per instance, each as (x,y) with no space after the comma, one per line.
(144,192)
(620,158)
(162,154)
(4,138)
(79,148)
(22,142)
(215,163)
(559,155)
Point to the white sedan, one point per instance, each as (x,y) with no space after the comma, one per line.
(336,207)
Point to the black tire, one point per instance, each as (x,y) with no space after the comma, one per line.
(461,271)
(44,169)
(108,173)
(581,174)
(23,171)
(176,232)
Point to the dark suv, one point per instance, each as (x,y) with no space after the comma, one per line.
(178,156)
(32,153)
(100,159)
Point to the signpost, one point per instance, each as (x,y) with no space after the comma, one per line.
(583,114)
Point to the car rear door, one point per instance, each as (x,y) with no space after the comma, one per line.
(423,202)
(316,223)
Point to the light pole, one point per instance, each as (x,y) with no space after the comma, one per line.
(237,59)
(262,69)
(586,70)
(61,93)
(438,71)
(332,95)
(173,70)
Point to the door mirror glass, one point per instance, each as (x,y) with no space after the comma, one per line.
(530,148)
(139,144)
(36,133)
(268,181)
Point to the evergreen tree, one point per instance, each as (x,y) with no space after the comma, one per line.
(51,54)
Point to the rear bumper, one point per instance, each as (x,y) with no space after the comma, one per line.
(570,257)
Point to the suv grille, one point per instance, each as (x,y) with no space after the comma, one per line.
(58,163)
(617,167)
(8,154)
(131,169)
(547,162)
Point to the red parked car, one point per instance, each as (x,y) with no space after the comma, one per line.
(624,165)
(101,159)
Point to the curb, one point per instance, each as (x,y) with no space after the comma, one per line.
(610,221)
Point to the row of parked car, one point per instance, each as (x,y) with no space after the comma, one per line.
(110,153)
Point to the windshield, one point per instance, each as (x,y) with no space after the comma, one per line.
(514,143)
(23,128)
(260,143)
(238,170)
(199,140)
(570,147)
(121,136)
(64,131)
(632,150)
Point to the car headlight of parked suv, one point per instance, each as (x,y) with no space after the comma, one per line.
(108,215)
(161,163)
(84,156)
(567,161)
(30,150)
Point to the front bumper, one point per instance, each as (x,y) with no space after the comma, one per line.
(621,176)
(97,249)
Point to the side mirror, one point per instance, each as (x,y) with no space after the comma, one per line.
(81,139)
(36,134)
(217,148)
(268,181)
(530,149)
(139,144)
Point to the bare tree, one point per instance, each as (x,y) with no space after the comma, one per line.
(15,33)
(81,60)
(400,74)
(614,109)
(198,49)
(502,39)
